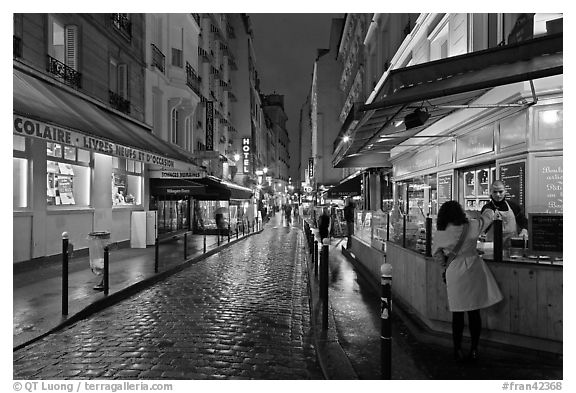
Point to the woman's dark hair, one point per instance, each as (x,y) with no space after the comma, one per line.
(450,213)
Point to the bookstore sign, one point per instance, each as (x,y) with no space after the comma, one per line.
(35,129)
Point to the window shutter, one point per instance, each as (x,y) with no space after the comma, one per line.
(71,43)
(113,76)
(123,80)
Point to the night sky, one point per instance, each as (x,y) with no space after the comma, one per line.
(286,46)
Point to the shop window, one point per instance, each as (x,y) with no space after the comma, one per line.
(126,182)
(475,186)
(19,182)
(67,178)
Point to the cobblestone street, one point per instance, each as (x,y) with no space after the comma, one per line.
(240,314)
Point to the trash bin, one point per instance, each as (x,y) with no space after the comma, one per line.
(96,243)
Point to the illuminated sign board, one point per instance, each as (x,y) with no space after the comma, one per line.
(246,156)
(31,128)
(210,125)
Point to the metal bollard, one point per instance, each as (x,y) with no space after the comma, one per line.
(64,273)
(204,242)
(185,245)
(315,258)
(324,283)
(388,226)
(236,231)
(497,239)
(404,231)
(228,233)
(428,236)
(243,229)
(218,237)
(106,278)
(157,245)
(386,321)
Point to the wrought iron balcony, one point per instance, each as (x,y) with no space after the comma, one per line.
(193,80)
(196,18)
(230,31)
(122,24)
(17,46)
(119,102)
(158,58)
(225,85)
(61,70)
(232,97)
(204,54)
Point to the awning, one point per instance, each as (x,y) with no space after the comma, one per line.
(214,189)
(440,88)
(348,188)
(47,102)
(237,191)
(176,188)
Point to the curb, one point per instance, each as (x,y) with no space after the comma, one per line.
(130,290)
(333,360)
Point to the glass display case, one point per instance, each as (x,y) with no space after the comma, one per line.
(476,187)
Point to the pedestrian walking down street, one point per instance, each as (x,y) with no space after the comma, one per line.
(288,214)
(349,218)
(469,282)
(324,224)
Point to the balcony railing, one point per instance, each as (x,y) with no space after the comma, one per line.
(232,97)
(204,54)
(61,70)
(230,31)
(122,24)
(118,102)
(17,46)
(158,58)
(193,80)
(196,18)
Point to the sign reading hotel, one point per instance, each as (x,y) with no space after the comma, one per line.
(210,125)
(246,155)
(31,128)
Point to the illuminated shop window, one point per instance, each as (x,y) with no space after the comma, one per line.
(19,173)
(126,182)
(67,176)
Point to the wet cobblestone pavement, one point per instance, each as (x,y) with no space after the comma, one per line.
(240,314)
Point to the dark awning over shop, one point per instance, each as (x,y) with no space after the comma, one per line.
(47,102)
(214,189)
(237,191)
(440,88)
(176,187)
(348,188)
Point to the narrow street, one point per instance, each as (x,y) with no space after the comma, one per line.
(240,314)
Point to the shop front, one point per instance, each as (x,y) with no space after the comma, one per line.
(505,124)
(93,164)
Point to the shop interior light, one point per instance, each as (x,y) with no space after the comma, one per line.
(416,118)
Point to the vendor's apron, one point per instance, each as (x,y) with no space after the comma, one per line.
(508,227)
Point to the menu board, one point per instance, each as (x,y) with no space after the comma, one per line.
(513,176)
(444,189)
(545,232)
(549,195)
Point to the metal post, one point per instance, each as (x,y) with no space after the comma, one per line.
(204,242)
(64,273)
(428,236)
(315,258)
(236,230)
(228,232)
(324,284)
(404,231)
(157,245)
(386,321)
(106,278)
(185,245)
(243,229)
(388,227)
(497,239)
(218,237)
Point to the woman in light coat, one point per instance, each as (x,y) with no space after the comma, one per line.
(469,283)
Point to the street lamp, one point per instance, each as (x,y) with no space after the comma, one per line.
(265,170)
(236,157)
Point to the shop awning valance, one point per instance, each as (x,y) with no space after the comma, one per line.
(348,188)
(237,191)
(440,87)
(178,188)
(215,190)
(47,102)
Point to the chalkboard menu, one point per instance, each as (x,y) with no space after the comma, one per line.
(549,195)
(545,232)
(513,176)
(444,189)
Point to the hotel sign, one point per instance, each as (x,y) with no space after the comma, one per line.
(24,126)
(246,156)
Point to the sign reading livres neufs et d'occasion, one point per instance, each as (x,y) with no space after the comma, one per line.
(31,128)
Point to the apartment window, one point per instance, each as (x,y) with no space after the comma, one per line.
(174,123)
(126,182)
(118,78)
(177,58)
(68,175)
(63,45)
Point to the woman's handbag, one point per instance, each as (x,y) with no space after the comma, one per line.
(450,257)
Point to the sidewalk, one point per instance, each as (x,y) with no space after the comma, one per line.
(37,293)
